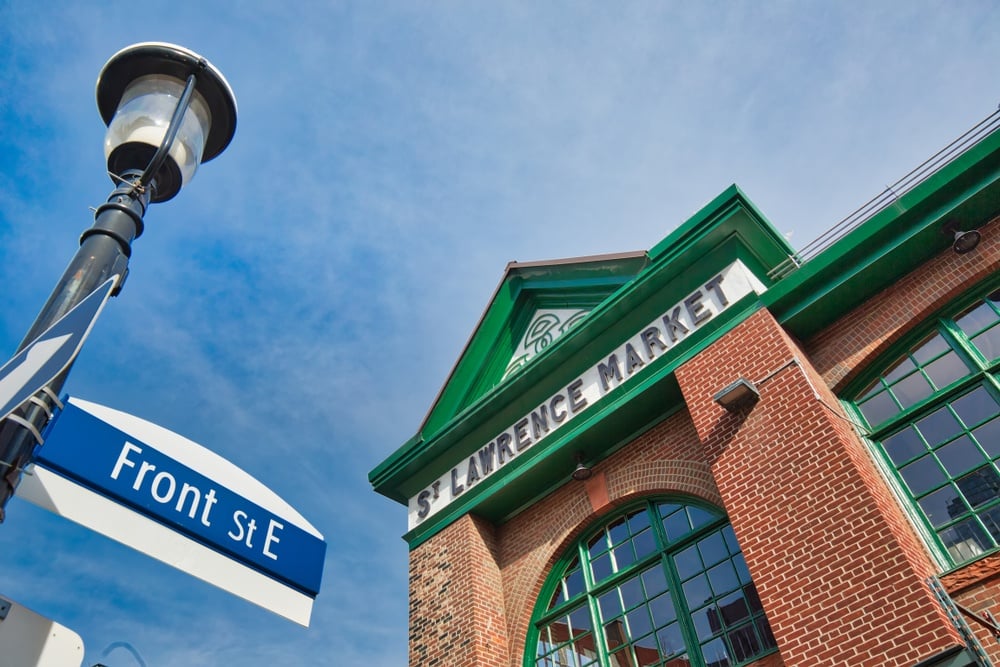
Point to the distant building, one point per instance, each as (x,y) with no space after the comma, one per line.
(724,452)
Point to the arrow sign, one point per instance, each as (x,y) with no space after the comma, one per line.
(51,353)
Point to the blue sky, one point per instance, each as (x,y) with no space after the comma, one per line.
(298,305)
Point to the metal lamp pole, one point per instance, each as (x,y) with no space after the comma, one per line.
(167,110)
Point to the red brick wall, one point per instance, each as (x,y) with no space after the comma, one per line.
(666,459)
(840,572)
(847,347)
(838,567)
(977,588)
(456,599)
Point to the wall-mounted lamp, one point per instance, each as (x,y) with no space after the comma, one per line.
(962,242)
(582,471)
(737,395)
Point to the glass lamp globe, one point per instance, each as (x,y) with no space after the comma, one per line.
(137,92)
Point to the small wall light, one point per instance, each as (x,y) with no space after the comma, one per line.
(737,395)
(582,472)
(962,242)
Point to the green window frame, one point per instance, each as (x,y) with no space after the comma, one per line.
(660,583)
(933,414)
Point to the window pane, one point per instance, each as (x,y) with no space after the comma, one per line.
(712,549)
(939,426)
(716,654)
(635,614)
(676,524)
(904,367)
(610,605)
(644,543)
(697,591)
(943,506)
(580,620)
(723,578)
(574,582)
(638,521)
(960,456)
(707,622)
(618,531)
(600,567)
(632,594)
(688,562)
(670,639)
(991,519)
(988,343)
(639,622)
(965,540)
(929,349)
(904,446)
(946,370)
(912,390)
(879,408)
(734,609)
(654,581)
(980,487)
(922,475)
(975,406)
(662,609)
(988,437)
(977,319)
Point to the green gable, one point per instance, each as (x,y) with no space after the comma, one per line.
(465,445)
(624,294)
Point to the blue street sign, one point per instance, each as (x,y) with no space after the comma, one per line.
(185,487)
(48,355)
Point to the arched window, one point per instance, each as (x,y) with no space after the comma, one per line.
(663,583)
(934,415)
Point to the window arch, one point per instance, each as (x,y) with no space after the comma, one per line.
(934,417)
(662,583)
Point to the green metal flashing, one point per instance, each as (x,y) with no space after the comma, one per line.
(471,409)
(622,415)
(890,244)
(523,290)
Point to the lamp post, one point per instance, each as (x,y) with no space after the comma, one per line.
(167,110)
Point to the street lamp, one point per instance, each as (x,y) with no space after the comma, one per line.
(167,110)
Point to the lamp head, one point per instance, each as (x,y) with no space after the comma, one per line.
(962,242)
(137,92)
(582,472)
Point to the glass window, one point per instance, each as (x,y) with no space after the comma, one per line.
(666,585)
(934,413)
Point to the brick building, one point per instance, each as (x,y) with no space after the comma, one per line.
(723,451)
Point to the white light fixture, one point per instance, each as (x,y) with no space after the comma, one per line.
(737,395)
(140,91)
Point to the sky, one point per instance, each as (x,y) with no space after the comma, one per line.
(298,305)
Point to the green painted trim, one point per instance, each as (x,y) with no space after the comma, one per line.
(498,333)
(957,656)
(729,228)
(559,448)
(541,615)
(891,244)
(980,372)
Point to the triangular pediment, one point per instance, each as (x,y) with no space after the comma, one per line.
(544,327)
(535,304)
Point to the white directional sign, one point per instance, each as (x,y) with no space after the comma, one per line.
(168,497)
(48,355)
